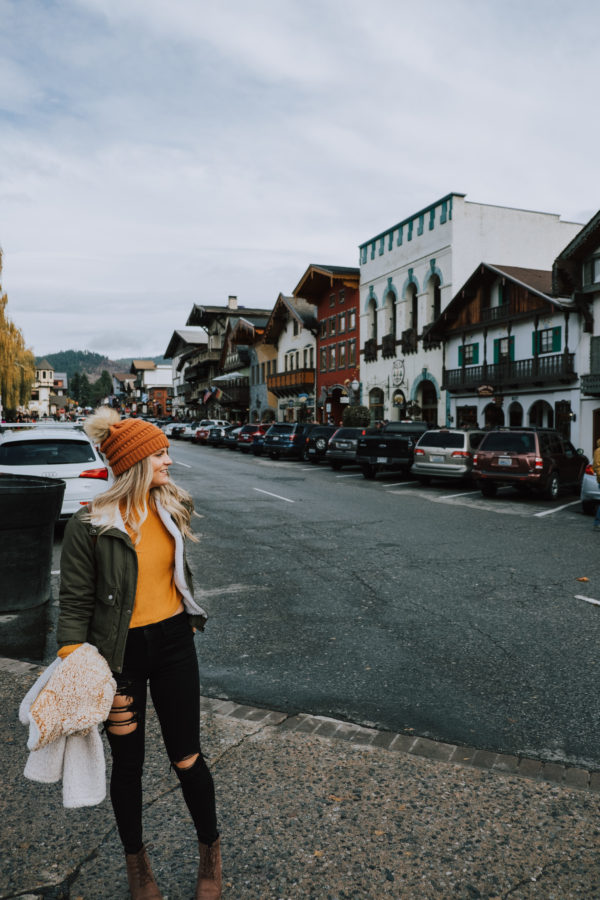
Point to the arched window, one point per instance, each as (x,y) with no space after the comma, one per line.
(376,404)
(434,298)
(429,403)
(541,414)
(373,319)
(493,415)
(390,311)
(515,415)
(413,305)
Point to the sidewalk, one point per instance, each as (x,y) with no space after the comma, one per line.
(312,808)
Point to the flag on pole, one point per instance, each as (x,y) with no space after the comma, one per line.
(218,393)
(207,395)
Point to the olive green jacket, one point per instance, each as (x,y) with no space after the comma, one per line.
(98,579)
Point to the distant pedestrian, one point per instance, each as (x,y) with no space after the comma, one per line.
(126,588)
(596,467)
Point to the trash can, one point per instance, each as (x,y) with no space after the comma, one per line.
(29,508)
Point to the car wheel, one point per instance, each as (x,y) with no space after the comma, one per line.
(336,466)
(588,507)
(369,471)
(551,490)
(488,488)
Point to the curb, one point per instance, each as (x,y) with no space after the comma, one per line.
(559,774)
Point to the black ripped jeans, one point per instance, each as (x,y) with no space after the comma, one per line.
(161,655)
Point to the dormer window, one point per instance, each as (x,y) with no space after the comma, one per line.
(591,271)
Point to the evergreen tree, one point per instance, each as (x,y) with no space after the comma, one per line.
(85,391)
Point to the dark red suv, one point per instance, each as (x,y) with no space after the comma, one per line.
(538,459)
(246,435)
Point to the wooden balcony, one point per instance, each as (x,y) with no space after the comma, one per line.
(410,341)
(288,384)
(370,350)
(388,346)
(557,368)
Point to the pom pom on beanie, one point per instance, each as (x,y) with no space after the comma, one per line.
(123,442)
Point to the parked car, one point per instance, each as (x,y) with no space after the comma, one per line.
(317,441)
(258,442)
(246,435)
(57,453)
(231,438)
(185,431)
(445,453)
(203,428)
(534,459)
(341,450)
(216,435)
(590,491)
(287,439)
(389,448)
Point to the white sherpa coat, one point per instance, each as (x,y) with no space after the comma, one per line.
(63,710)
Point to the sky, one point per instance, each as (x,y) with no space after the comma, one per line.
(160,153)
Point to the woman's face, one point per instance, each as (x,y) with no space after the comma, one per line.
(160,468)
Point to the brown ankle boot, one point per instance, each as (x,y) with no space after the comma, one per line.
(142,883)
(208,886)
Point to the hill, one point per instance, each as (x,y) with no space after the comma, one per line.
(93,364)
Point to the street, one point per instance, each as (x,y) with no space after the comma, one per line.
(424,610)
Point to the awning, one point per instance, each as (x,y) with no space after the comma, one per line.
(230,376)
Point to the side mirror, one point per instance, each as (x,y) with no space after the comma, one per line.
(580,451)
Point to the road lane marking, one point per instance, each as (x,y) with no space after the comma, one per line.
(353,475)
(587,599)
(450,496)
(548,512)
(177,463)
(400,484)
(277,496)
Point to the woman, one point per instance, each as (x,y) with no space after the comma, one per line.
(126,588)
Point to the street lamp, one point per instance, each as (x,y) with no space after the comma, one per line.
(355,387)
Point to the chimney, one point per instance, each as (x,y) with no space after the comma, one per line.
(232,302)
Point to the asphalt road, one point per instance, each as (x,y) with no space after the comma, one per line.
(426,610)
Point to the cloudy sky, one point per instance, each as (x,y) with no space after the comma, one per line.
(158,153)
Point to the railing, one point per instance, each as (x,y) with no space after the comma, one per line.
(505,311)
(590,384)
(289,383)
(388,345)
(537,369)
(370,351)
(410,340)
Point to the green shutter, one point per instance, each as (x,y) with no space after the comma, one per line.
(496,350)
(461,356)
(556,339)
(511,349)
(475,354)
(534,343)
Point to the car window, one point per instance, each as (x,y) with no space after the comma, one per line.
(45,453)
(569,449)
(348,433)
(475,438)
(555,444)
(281,429)
(441,439)
(509,443)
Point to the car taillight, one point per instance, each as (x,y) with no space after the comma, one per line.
(95,473)
(538,463)
(474,459)
(464,454)
(589,470)
(419,452)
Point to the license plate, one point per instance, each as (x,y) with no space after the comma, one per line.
(312,451)
(382,460)
(343,446)
(437,459)
(275,438)
(504,461)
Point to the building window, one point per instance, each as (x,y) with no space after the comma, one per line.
(504,349)
(297,359)
(351,320)
(342,295)
(351,353)
(332,299)
(546,341)
(295,327)
(332,325)
(323,328)
(468,355)
(591,271)
(262,373)
(341,323)
(331,351)
(323,359)
(342,357)
(311,358)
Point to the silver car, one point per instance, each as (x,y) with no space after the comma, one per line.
(590,491)
(445,453)
(341,450)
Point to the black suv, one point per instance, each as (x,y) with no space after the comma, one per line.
(317,441)
(538,459)
(286,439)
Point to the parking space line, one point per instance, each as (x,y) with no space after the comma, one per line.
(400,484)
(548,512)
(450,496)
(351,475)
(587,599)
(277,496)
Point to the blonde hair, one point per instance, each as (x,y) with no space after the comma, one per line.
(130,491)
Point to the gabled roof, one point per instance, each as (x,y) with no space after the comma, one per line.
(287,308)
(204,315)
(43,364)
(183,338)
(141,365)
(566,271)
(319,278)
(537,281)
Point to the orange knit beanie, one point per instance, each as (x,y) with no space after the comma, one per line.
(129,441)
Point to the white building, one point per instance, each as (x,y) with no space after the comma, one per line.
(292,329)
(40,403)
(409,274)
(184,343)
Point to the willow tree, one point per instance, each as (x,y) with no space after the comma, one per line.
(17,363)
